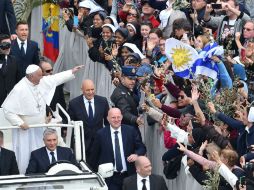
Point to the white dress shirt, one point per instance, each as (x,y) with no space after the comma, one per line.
(50,156)
(1,65)
(140,183)
(19,43)
(112,130)
(86,102)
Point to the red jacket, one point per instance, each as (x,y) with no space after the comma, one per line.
(153,20)
(169,141)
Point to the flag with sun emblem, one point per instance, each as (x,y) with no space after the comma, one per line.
(182,57)
(187,63)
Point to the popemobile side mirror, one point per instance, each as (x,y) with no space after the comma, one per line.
(106,170)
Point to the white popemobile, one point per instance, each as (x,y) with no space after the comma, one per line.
(61,175)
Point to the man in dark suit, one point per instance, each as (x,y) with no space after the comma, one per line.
(118,144)
(8,68)
(7,19)
(25,51)
(126,99)
(8,162)
(41,158)
(92,110)
(144,179)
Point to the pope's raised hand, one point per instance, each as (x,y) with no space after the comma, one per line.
(77,68)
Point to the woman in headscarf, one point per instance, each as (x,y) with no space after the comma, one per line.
(100,51)
(134,33)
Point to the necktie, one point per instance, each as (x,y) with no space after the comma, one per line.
(53,157)
(22,49)
(90,111)
(118,157)
(144,184)
(4,66)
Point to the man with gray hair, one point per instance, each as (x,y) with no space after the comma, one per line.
(42,158)
(26,105)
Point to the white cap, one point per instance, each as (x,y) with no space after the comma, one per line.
(110,26)
(31,69)
(85,4)
(135,49)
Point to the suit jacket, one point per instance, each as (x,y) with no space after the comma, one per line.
(8,78)
(58,98)
(31,57)
(103,149)
(127,102)
(77,112)
(8,162)
(39,160)
(6,10)
(157,182)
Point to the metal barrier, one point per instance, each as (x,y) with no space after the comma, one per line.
(79,139)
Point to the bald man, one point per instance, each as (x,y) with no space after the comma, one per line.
(118,144)
(144,179)
(92,110)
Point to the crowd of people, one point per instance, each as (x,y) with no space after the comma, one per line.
(160,110)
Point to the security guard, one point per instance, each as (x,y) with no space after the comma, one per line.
(125,99)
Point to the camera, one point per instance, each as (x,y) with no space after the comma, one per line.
(249,166)
(216,6)
(5,45)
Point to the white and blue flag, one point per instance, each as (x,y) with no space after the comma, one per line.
(186,61)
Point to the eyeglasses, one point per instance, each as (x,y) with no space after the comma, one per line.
(133,15)
(48,71)
(248,29)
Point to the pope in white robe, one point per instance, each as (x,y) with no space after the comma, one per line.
(26,105)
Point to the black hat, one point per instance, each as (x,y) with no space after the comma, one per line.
(143,2)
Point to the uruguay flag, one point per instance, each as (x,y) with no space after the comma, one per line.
(182,56)
(204,65)
(50,30)
(186,61)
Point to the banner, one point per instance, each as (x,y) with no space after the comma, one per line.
(50,29)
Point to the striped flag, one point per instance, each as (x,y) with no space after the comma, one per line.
(186,61)
(50,28)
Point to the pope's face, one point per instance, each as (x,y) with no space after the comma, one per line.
(51,141)
(36,77)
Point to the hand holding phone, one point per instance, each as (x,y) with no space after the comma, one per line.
(243,54)
(216,6)
(75,21)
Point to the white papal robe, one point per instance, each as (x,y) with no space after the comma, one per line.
(26,103)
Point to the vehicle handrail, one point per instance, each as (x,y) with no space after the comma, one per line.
(37,125)
(58,106)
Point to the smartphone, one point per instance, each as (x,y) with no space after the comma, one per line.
(216,6)
(243,54)
(75,21)
(242,181)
